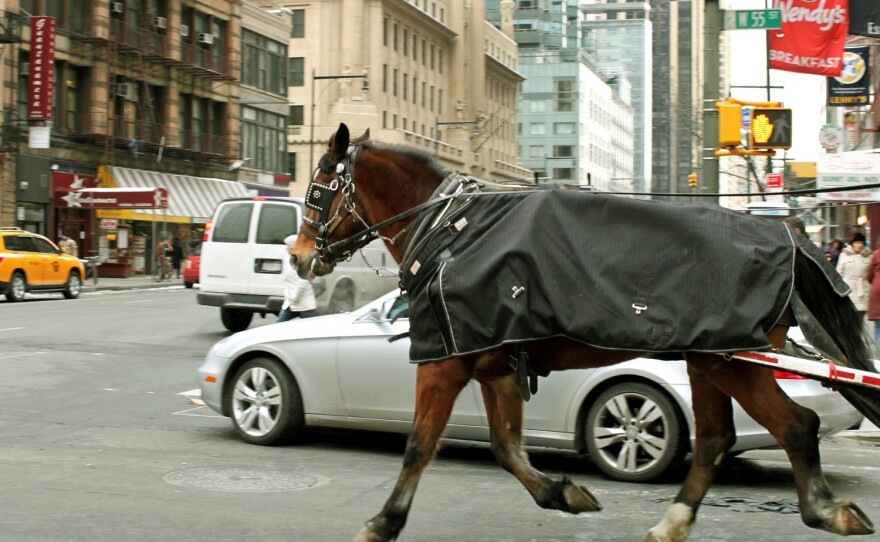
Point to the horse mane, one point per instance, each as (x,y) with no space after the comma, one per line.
(430,163)
(416,156)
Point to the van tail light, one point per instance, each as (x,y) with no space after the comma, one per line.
(784,375)
(208,225)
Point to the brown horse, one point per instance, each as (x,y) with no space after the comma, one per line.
(361,188)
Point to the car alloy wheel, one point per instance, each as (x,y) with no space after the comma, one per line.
(635,433)
(74,286)
(17,287)
(265,403)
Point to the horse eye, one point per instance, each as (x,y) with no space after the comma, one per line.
(340,167)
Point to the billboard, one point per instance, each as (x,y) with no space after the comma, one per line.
(812,37)
(852,87)
(42,69)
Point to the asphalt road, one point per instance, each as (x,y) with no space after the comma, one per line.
(99,445)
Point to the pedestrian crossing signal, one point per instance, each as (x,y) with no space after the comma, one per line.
(770,128)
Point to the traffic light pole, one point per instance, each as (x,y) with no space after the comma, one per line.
(711,93)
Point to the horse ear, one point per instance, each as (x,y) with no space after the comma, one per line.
(362,138)
(339,143)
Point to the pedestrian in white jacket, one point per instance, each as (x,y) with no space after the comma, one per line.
(299,296)
(853,267)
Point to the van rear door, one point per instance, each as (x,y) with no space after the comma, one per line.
(273,223)
(222,267)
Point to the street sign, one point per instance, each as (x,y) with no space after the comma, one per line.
(753,19)
(773,182)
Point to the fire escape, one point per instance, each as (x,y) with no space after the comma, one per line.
(143,61)
(9,35)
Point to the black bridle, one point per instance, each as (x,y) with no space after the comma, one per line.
(320,196)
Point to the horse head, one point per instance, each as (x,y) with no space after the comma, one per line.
(342,215)
(332,209)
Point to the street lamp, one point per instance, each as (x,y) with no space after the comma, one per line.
(438,123)
(364,87)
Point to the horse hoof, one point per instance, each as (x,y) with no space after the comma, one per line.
(367,534)
(579,499)
(847,519)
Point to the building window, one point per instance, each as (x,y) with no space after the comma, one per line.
(295,117)
(297,71)
(563,128)
(291,165)
(563,174)
(537,106)
(264,63)
(299,23)
(537,151)
(537,128)
(405,42)
(202,124)
(264,139)
(564,95)
(563,151)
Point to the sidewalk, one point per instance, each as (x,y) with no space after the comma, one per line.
(135,282)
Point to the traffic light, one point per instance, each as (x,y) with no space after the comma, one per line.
(771,128)
(692,180)
(729,124)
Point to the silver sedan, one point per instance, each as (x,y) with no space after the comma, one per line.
(633,419)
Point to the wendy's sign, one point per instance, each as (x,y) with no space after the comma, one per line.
(42,69)
(113,198)
(812,37)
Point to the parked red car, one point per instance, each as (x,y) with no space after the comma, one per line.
(191,267)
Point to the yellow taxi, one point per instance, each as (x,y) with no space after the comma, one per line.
(31,263)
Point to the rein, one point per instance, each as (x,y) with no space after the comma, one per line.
(319,196)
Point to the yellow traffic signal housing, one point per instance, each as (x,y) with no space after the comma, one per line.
(729,124)
(692,180)
(770,128)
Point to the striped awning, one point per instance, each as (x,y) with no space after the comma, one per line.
(193,197)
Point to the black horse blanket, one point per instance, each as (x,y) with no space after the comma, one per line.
(612,272)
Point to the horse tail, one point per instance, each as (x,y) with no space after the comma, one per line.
(846,327)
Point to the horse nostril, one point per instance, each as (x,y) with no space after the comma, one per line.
(294,261)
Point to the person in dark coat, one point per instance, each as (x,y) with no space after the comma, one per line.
(176,256)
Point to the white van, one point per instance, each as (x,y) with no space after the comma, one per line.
(241,263)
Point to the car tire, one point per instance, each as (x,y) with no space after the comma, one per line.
(342,299)
(74,286)
(236,320)
(17,287)
(265,404)
(635,432)
(188,284)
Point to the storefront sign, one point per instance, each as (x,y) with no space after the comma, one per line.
(42,69)
(114,198)
(830,136)
(65,182)
(864,18)
(849,170)
(853,86)
(109,223)
(812,37)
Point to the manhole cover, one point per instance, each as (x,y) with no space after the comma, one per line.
(244,479)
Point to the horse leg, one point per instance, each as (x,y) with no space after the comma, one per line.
(796,430)
(715,435)
(504,409)
(437,386)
